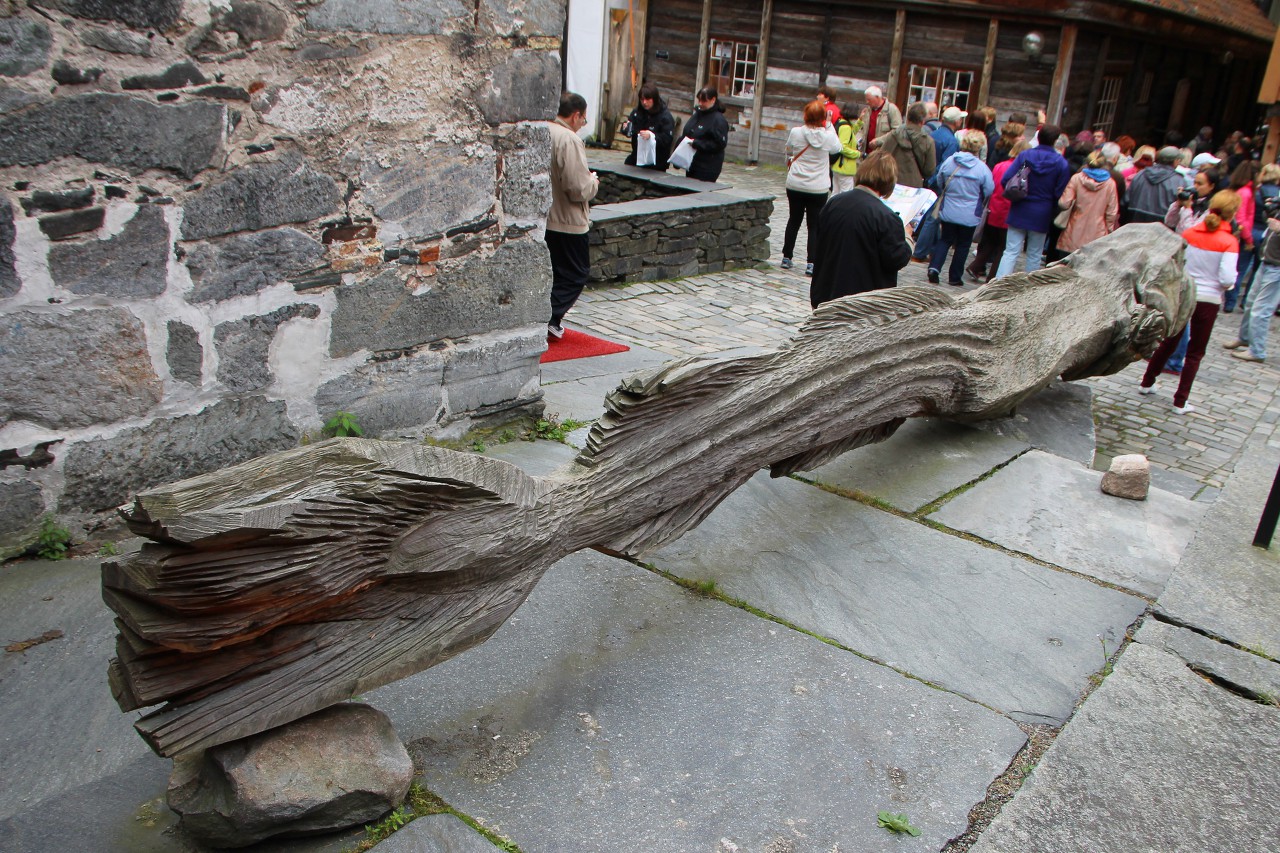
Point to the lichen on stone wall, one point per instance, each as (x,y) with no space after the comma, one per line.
(184,183)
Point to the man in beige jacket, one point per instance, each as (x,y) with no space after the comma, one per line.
(573,185)
(879,117)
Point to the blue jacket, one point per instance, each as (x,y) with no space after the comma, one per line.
(1049,176)
(944,143)
(965,184)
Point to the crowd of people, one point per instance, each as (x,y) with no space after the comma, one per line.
(1030,195)
(1025,192)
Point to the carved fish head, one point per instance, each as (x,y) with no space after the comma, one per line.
(1147,262)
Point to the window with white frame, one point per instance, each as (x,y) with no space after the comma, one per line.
(1108,97)
(732,67)
(947,87)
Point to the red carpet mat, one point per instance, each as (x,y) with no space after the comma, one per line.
(579,345)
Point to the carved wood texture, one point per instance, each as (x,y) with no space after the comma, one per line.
(280,586)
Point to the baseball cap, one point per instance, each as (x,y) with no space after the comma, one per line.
(953,114)
(1205,159)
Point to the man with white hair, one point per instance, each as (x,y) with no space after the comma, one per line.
(931,120)
(878,118)
(1111,153)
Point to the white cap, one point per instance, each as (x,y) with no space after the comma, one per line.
(1205,159)
(951,114)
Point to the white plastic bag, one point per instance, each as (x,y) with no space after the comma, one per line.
(646,150)
(682,157)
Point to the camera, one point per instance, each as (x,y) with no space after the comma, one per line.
(1185,194)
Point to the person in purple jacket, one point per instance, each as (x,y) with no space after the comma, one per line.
(1030,218)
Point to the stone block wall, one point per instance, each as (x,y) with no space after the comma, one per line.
(678,227)
(616,188)
(221,221)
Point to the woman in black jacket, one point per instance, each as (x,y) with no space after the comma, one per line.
(862,244)
(651,118)
(709,130)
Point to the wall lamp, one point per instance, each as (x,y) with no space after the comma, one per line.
(1033,46)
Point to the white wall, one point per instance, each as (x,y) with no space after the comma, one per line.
(587,54)
(585,47)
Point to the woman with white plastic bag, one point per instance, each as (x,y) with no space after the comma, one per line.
(706,135)
(651,128)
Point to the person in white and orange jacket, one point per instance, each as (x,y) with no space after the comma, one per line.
(1212,253)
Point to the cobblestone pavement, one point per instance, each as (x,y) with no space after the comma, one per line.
(763,307)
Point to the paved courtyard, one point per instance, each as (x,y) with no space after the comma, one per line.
(763,307)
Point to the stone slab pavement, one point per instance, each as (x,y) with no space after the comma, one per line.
(1158,760)
(1054,510)
(1179,748)
(617,711)
(1225,587)
(908,471)
(1015,636)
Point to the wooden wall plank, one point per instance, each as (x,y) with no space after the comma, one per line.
(988,62)
(704,32)
(673,29)
(1062,73)
(894,83)
(1017,84)
(797,36)
(934,40)
(1081,84)
(739,20)
(761,86)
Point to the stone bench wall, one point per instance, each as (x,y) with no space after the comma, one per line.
(706,228)
(222,223)
(617,188)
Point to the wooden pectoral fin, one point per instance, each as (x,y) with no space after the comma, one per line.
(819,456)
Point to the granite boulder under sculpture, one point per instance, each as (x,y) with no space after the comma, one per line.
(292,582)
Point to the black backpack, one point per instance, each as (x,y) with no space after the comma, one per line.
(838,159)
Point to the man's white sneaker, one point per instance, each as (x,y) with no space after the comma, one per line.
(554,332)
(1184,409)
(1143,389)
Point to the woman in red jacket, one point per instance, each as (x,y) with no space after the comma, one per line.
(1212,253)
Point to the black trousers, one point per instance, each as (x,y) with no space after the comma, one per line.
(802,206)
(570,268)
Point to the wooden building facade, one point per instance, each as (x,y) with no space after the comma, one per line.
(1141,67)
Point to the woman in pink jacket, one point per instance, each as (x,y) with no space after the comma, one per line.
(995,229)
(1094,203)
(1243,181)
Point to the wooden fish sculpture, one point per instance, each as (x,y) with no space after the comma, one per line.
(282,585)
